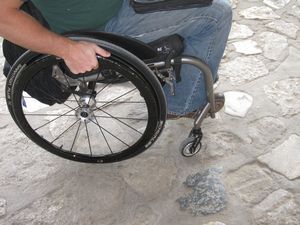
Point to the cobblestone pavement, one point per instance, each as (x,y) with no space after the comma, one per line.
(248,171)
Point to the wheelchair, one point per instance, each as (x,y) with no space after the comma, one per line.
(100,120)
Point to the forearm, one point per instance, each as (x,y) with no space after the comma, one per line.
(22,29)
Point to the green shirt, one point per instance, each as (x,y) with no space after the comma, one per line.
(67,15)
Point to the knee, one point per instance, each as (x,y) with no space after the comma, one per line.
(225,10)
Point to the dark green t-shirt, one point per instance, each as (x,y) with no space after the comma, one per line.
(67,15)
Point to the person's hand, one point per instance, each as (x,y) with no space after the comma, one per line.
(81,56)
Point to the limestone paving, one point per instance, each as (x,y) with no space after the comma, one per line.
(247,173)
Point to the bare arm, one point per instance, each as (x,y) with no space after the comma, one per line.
(22,29)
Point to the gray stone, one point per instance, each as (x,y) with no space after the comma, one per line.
(222,143)
(286,94)
(242,70)
(274,45)
(2,207)
(251,183)
(279,208)
(234,3)
(295,10)
(240,31)
(3,107)
(247,47)
(215,223)
(285,159)
(148,177)
(142,215)
(83,197)
(262,13)
(288,29)
(3,125)
(208,195)
(277,4)
(266,131)
(237,103)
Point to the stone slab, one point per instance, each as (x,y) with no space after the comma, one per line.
(234,3)
(259,12)
(251,183)
(222,143)
(2,207)
(243,70)
(286,94)
(215,223)
(208,195)
(285,158)
(266,131)
(247,47)
(237,103)
(279,208)
(240,31)
(277,4)
(148,177)
(288,29)
(142,215)
(274,45)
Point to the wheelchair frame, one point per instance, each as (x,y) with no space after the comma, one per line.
(192,144)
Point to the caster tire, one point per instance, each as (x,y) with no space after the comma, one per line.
(186,147)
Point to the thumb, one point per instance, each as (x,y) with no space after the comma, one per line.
(101,51)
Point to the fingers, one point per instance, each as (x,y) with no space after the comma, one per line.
(82,57)
(101,51)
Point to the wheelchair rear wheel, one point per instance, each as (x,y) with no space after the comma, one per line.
(95,122)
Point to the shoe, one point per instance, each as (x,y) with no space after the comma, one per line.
(219,103)
(175,117)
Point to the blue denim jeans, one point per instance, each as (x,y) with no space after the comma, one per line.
(205,31)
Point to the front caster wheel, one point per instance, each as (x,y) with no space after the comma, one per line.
(190,147)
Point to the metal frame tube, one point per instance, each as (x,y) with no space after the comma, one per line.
(208,77)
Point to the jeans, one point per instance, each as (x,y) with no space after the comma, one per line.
(205,31)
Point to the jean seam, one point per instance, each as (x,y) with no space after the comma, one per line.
(213,40)
(194,92)
(207,58)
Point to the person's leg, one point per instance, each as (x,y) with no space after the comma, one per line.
(205,31)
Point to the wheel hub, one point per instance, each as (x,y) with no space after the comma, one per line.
(87,105)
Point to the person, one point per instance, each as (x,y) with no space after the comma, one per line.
(205,31)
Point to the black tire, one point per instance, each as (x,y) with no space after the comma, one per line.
(187,149)
(146,89)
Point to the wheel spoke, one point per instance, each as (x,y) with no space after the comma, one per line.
(65,76)
(52,98)
(75,138)
(103,135)
(110,133)
(29,97)
(106,85)
(131,102)
(111,121)
(46,114)
(88,137)
(128,92)
(53,119)
(122,118)
(120,121)
(65,131)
